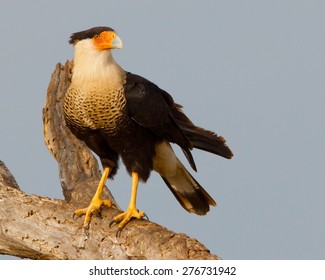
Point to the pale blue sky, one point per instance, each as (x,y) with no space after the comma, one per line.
(252,71)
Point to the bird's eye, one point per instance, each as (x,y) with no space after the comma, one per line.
(96,36)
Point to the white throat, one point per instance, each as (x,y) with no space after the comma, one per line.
(92,66)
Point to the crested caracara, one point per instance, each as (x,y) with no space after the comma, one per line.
(118,114)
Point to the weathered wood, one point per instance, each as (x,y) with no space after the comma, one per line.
(6,177)
(42,228)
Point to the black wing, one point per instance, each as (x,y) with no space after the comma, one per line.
(155,109)
(152,108)
(200,138)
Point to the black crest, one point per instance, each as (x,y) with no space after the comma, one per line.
(86,34)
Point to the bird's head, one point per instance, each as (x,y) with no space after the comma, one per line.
(93,60)
(101,38)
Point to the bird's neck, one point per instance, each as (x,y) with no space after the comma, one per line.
(96,67)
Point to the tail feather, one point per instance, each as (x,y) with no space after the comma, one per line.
(208,141)
(200,138)
(185,188)
(189,193)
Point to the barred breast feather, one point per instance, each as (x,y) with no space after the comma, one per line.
(94,108)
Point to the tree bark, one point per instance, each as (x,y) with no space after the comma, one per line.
(42,228)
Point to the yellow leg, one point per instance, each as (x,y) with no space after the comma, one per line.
(96,202)
(132,211)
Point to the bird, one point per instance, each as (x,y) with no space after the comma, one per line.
(121,115)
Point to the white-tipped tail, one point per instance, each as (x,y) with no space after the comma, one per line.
(185,188)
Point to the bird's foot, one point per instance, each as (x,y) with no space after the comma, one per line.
(94,206)
(123,218)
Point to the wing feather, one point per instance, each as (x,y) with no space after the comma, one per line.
(151,107)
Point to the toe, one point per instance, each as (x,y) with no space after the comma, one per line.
(123,218)
(94,206)
(80,212)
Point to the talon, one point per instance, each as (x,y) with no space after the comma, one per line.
(123,218)
(145,216)
(93,207)
(118,233)
(74,216)
(111,223)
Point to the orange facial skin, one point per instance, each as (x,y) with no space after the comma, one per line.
(106,40)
